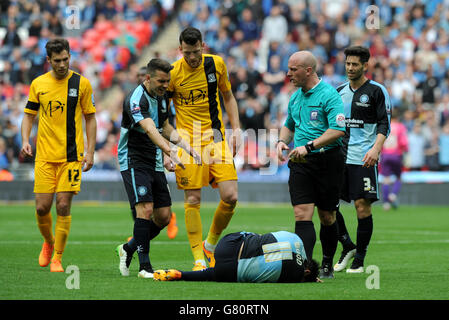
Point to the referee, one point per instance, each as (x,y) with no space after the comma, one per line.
(316,123)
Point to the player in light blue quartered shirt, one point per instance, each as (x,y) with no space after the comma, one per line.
(250,257)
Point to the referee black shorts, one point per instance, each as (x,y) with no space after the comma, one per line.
(360,183)
(318,180)
(143,185)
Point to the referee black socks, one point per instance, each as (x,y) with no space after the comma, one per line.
(306,231)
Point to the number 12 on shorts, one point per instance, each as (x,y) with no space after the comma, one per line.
(75,174)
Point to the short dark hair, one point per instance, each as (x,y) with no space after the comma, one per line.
(311,265)
(191,36)
(57,46)
(158,64)
(358,51)
(142,70)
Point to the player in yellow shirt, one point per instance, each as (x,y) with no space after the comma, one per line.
(196,83)
(61,97)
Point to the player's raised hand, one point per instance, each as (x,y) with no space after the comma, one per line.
(88,161)
(26,150)
(280,148)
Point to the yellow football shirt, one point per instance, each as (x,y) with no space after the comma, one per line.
(195,94)
(60,104)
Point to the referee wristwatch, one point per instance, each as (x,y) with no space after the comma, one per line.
(309,146)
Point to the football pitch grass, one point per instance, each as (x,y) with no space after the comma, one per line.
(409,252)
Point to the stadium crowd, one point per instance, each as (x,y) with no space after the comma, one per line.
(408,41)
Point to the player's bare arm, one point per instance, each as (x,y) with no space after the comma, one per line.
(150,128)
(173,136)
(231,108)
(91,133)
(27,124)
(372,156)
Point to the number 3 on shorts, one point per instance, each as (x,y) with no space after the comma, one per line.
(366,184)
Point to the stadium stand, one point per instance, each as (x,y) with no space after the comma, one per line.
(409,48)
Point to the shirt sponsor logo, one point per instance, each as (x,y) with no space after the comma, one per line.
(355,123)
(340,120)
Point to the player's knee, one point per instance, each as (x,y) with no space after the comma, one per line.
(327,219)
(193,199)
(363,208)
(162,217)
(145,213)
(42,209)
(63,208)
(230,198)
(302,213)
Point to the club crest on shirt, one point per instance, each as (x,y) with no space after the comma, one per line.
(73,92)
(364,99)
(211,77)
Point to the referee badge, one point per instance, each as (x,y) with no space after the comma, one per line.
(340,120)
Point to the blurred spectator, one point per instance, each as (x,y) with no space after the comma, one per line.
(275,77)
(444,147)
(248,25)
(415,159)
(410,53)
(428,87)
(432,150)
(4,161)
(331,77)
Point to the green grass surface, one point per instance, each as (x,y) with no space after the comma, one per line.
(410,247)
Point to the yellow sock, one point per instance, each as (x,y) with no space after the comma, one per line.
(222,216)
(45,225)
(194,230)
(62,230)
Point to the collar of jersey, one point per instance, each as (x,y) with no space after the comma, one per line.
(147,93)
(312,90)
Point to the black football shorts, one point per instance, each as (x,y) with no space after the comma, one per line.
(143,185)
(360,183)
(318,180)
